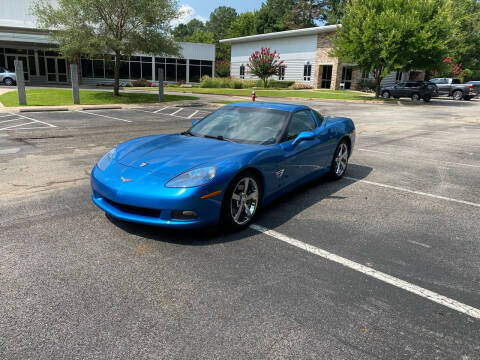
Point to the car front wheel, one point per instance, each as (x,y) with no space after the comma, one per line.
(8,81)
(340,161)
(241,201)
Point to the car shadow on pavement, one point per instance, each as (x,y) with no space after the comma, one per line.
(283,209)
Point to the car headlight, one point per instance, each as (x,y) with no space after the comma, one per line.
(107,159)
(193,178)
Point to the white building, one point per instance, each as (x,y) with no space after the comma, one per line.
(306,53)
(21,40)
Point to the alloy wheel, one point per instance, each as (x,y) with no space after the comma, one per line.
(341,160)
(244,201)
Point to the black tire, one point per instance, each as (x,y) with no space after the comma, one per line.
(427,98)
(8,81)
(416,97)
(386,94)
(335,172)
(228,220)
(457,95)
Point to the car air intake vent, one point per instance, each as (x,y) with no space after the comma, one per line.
(134,209)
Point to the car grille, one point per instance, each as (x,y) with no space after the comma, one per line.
(134,209)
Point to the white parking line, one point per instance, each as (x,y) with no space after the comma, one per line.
(4,121)
(105,116)
(419,243)
(417,290)
(2,116)
(413,191)
(193,114)
(157,111)
(37,121)
(419,159)
(14,126)
(176,111)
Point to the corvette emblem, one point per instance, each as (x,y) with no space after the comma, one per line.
(125,180)
(143,164)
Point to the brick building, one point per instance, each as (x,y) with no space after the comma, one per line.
(307,59)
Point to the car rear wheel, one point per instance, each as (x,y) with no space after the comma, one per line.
(415,97)
(457,95)
(8,81)
(339,161)
(241,201)
(386,94)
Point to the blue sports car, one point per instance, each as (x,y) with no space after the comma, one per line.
(223,168)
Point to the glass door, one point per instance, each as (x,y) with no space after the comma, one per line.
(11,64)
(347,77)
(326,76)
(56,70)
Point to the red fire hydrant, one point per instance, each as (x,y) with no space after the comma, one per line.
(253,95)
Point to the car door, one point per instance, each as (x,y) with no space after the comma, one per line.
(443,87)
(304,158)
(399,90)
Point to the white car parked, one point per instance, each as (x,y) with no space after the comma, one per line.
(7,77)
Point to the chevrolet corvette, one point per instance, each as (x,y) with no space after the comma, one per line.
(224,168)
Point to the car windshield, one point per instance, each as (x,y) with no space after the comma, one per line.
(242,124)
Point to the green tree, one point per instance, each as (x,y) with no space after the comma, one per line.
(244,25)
(264,64)
(181,32)
(380,38)
(273,15)
(219,23)
(464,44)
(332,11)
(305,13)
(119,27)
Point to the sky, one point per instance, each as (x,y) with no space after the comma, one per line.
(201,9)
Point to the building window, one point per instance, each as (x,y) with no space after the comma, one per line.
(307,71)
(399,76)
(242,71)
(365,74)
(281,73)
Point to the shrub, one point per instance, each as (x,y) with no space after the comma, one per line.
(282,84)
(222,68)
(142,83)
(301,86)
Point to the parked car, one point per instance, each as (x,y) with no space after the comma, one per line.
(223,168)
(6,77)
(451,87)
(476,84)
(415,90)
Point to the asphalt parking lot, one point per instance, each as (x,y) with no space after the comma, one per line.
(384,263)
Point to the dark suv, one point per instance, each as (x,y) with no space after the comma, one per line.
(415,90)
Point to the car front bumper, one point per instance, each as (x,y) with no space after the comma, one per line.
(145,201)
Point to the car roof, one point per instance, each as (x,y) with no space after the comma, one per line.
(267,105)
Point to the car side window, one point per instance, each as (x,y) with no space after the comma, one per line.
(401,85)
(455,81)
(300,121)
(319,117)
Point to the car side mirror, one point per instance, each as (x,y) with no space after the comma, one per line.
(195,122)
(303,136)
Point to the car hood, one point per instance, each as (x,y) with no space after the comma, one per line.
(174,154)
